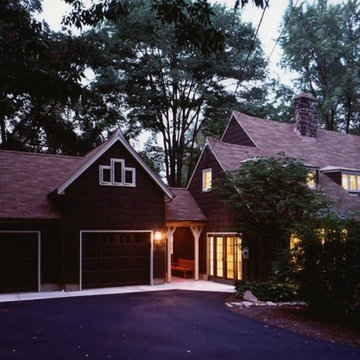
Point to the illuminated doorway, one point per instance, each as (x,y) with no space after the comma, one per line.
(224,257)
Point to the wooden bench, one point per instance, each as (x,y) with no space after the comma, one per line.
(183,265)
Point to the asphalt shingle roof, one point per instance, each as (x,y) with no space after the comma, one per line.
(26,179)
(183,207)
(330,149)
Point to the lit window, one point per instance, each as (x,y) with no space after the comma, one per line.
(116,174)
(350,182)
(311,179)
(206,180)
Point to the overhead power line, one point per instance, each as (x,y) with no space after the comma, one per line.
(282,31)
(252,45)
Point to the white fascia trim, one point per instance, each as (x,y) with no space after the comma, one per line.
(327,169)
(38,233)
(118,136)
(200,157)
(235,117)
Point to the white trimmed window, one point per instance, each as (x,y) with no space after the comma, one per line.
(117,174)
(350,182)
(206,180)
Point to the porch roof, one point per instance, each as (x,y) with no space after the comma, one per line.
(183,207)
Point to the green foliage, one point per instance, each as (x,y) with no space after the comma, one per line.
(41,73)
(269,291)
(192,20)
(320,43)
(171,90)
(271,195)
(327,265)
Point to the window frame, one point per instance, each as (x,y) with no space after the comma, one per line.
(203,180)
(349,175)
(124,170)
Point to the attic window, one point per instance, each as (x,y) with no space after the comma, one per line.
(206,180)
(350,182)
(117,174)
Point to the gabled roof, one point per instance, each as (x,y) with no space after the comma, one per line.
(330,148)
(331,152)
(95,154)
(25,181)
(183,207)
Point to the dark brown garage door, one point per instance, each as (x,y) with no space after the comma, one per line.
(18,262)
(115,259)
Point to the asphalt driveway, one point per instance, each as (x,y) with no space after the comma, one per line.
(154,325)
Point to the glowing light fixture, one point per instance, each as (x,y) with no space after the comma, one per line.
(158,236)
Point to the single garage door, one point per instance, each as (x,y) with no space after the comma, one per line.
(115,259)
(18,262)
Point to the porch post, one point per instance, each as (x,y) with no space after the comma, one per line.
(170,230)
(196,231)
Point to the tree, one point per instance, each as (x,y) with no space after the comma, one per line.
(41,74)
(168,89)
(325,263)
(271,200)
(191,19)
(320,42)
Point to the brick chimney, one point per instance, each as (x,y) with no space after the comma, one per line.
(305,117)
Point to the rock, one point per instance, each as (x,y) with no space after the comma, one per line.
(247,303)
(249,296)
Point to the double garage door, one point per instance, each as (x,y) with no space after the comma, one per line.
(19,262)
(115,259)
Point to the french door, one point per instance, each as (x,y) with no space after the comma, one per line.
(224,256)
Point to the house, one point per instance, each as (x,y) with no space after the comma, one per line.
(332,157)
(74,223)
(107,220)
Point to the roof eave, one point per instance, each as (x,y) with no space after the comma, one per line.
(118,136)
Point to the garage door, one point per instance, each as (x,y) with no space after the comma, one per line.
(115,259)
(18,262)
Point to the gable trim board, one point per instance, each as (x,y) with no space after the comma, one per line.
(117,136)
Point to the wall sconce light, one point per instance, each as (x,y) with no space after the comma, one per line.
(158,237)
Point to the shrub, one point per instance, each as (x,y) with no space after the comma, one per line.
(268,291)
(330,268)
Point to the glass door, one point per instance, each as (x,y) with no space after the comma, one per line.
(224,257)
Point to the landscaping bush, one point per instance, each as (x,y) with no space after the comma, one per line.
(330,268)
(268,291)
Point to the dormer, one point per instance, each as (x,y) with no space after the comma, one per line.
(348,178)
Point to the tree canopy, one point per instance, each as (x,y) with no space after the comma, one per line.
(321,43)
(41,73)
(171,90)
(271,195)
(191,19)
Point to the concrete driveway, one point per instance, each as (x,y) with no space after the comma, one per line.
(153,325)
